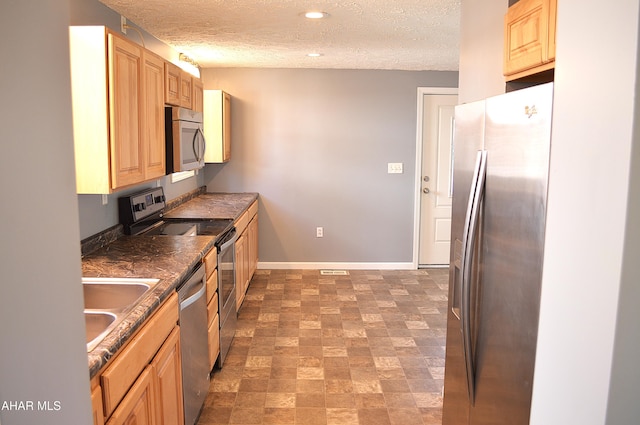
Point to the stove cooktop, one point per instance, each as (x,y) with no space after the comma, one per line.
(190,227)
(142,213)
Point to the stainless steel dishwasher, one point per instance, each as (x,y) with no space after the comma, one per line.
(193,344)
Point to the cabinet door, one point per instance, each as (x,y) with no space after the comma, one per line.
(125,111)
(527,36)
(90,97)
(168,375)
(172,84)
(226,127)
(241,268)
(214,340)
(252,233)
(125,368)
(212,285)
(138,406)
(96,406)
(217,126)
(153,122)
(186,89)
(211,262)
(198,93)
(553,10)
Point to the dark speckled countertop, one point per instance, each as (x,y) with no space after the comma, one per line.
(214,206)
(168,258)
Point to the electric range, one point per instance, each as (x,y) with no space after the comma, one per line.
(142,213)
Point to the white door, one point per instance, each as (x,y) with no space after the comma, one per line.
(437,171)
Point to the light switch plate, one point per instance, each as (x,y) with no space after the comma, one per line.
(394,168)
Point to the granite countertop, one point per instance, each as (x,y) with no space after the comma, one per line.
(214,206)
(167,258)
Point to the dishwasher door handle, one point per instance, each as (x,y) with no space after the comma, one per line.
(193,298)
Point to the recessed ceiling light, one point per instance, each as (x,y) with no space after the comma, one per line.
(315,15)
(314,55)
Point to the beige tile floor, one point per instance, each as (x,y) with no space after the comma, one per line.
(367,348)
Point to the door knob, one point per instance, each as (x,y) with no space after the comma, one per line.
(425,190)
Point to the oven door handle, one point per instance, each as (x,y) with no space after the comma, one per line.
(227,240)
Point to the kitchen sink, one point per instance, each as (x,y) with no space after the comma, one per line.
(108,293)
(107,301)
(98,326)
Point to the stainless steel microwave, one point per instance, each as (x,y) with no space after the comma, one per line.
(185,139)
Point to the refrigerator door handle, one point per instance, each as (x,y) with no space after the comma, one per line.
(470,233)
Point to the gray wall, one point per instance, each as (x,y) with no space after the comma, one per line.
(42,339)
(95,217)
(588,343)
(315,144)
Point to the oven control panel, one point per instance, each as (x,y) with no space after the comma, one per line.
(141,205)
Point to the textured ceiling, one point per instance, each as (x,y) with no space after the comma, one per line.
(363,34)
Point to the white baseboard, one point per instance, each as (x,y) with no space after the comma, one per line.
(333,266)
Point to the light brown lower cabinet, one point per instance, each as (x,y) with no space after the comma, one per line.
(138,406)
(241,269)
(167,368)
(252,234)
(142,384)
(96,406)
(214,340)
(246,251)
(211,268)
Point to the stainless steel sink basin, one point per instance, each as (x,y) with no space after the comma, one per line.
(108,294)
(98,324)
(107,301)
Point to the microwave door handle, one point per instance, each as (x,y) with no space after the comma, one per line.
(193,145)
(204,144)
(198,150)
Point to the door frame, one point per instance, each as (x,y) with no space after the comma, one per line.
(422,91)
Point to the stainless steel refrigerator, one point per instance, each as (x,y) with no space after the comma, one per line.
(501,167)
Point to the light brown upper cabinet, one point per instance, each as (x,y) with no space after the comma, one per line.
(529,38)
(217,126)
(181,88)
(198,94)
(172,75)
(186,90)
(153,117)
(117,103)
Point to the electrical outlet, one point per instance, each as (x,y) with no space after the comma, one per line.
(123,24)
(105,199)
(394,168)
(319,232)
